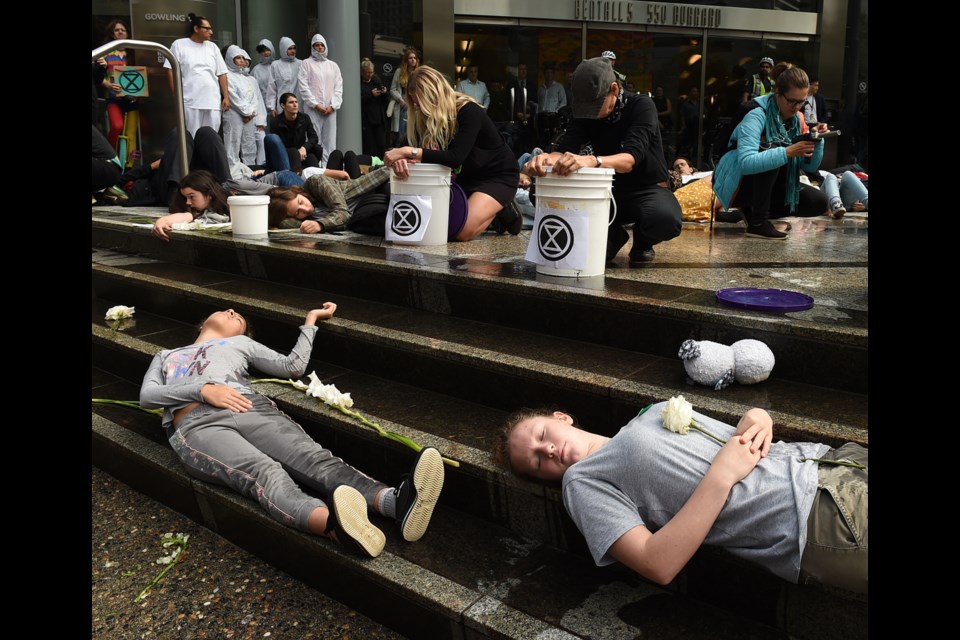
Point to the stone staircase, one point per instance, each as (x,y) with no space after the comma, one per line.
(440,347)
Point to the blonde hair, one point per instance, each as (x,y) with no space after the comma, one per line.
(404,73)
(366,63)
(432,119)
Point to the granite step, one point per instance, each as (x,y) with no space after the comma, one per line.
(503,368)
(475,487)
(469,578)
(826,343)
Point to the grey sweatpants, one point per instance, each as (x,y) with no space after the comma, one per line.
(264,455)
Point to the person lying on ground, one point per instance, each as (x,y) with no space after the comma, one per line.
(226,433)
(324,204)
(649,497)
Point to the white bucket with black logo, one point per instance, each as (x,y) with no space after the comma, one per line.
(419,205)
(569,236)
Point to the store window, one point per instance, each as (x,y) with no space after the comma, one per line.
(498,50)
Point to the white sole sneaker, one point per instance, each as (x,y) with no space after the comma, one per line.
(354,530)
(427,479)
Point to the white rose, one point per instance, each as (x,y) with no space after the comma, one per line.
(678,415)
(119,312)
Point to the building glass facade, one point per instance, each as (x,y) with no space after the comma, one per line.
(713,46)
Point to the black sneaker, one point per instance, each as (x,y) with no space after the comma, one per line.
(644,254)
(617,236)
(514,226)
(417,494)
(730,215)
(765,230)
(348,520)
(508,219)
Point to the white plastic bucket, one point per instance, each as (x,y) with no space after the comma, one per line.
(419,205)
(248,215)
(569,236)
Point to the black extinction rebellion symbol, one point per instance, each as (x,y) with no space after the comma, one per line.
(131,81)
(406,218)
(555,238)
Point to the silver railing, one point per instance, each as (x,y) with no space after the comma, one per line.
(177,85)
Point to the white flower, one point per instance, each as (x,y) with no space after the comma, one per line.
(164,560)
(119,312)
(327,392)
(678,415)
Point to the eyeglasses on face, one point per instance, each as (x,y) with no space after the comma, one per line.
(205,27)
(792,102)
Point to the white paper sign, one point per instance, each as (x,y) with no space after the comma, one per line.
(408,217)
(559,238)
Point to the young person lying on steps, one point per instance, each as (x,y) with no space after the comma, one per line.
(226,433)
(649,497)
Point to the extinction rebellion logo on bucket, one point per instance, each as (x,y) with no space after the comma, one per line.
(406,218)
(554,238)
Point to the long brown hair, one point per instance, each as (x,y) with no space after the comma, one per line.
(204,182)
(108,37)
(279,197)
(404,72)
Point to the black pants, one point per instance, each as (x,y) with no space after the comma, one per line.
(374,139)
(654,210)
(761,196)
(298,165)
(344,162)
(205,150)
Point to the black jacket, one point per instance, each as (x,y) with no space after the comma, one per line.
(300,134)
(373,109)
(637,132)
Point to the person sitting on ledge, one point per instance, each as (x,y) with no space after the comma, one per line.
(226,433)
(649,497)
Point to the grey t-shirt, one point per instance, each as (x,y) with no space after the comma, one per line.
(645,474)
(176,376)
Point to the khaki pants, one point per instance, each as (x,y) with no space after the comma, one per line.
(836,549)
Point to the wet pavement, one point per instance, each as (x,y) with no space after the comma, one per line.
(217,590)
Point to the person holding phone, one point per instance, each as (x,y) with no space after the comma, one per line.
(761,172)
(373,110)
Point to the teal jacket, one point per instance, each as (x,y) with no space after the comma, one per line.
(747,159)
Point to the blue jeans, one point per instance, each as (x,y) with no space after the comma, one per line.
(849,190)
(287,178)
(276,153)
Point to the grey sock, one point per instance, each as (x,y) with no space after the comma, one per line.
(387,504)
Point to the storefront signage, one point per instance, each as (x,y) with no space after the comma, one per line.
(647,15)
(672,15)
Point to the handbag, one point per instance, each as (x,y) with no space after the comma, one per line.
(390,108)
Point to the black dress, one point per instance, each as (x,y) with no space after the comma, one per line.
(486,163)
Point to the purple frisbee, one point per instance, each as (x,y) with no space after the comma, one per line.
(458,210)
(775,300)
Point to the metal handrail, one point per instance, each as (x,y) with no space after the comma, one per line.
(177,85)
